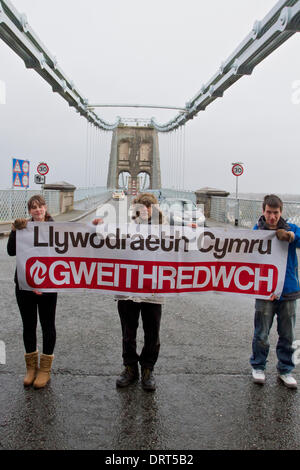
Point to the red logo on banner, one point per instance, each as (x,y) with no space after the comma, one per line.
(151,276)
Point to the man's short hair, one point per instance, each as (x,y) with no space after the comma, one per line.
(272,200)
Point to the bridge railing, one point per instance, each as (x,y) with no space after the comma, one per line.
(223,209)
(84,193)
(13,202)
(178,193)
(88,198)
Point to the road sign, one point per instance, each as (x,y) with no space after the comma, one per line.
(42,168)
(39,179)
(16,166)
(237,169)
(25,166)
(16,181)
(20,174)
(25,180)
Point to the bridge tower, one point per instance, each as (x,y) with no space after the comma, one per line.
(134,159)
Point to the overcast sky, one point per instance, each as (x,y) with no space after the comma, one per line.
(158,52)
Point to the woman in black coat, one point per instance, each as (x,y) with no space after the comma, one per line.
(33,304)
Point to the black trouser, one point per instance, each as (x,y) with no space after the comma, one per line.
(31,304)
(129,312)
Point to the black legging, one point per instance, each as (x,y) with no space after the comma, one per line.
(45,304)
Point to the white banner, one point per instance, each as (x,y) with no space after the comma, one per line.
(145,260)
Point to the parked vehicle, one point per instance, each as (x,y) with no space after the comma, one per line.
(118,194)
(156,192)
(182,212)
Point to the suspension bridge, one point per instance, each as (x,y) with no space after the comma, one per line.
(205,398)
(134,154)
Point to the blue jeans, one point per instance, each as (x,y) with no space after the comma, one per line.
(265,311)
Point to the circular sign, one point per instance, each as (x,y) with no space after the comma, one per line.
(25,166)
(237,169)
(42,168)
(25,180)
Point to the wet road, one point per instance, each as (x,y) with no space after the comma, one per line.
(205,398)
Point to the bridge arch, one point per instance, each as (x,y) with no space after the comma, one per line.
(123,179)
(144,180)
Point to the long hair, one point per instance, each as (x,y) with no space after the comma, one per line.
(38,200)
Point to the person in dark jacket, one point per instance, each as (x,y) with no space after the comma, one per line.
(130,308)
(33,304)
(284,307)
(146,211)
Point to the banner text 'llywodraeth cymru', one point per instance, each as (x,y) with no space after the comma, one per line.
(150,260)
(61,241)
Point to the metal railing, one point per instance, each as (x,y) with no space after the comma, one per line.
(84,193)
(224,210)
(178,193)
(88,198)
(13,202)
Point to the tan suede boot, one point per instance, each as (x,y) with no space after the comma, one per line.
(43,375)
(32,365)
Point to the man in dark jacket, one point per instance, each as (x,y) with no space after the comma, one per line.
(284,307)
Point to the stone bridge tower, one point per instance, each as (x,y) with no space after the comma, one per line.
(134,159)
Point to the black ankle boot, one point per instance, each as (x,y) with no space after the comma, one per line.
(129,375)
(148,381)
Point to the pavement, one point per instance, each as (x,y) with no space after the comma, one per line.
(205,398)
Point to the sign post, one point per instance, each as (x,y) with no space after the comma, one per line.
(237,170)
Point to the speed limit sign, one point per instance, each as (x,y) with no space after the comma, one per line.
(237,169)
(42,168)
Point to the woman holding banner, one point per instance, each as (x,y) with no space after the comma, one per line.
(31,303)
(146,211)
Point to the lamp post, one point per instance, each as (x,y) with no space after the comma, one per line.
(237,170)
